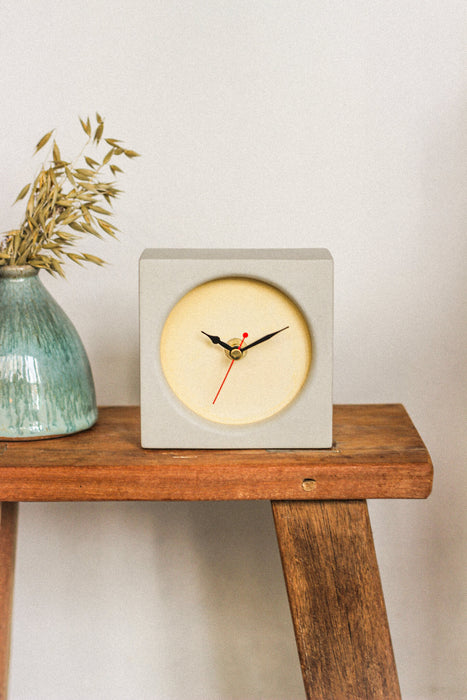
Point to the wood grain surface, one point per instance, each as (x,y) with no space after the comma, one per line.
(336,600)
(8,528)
(377,453)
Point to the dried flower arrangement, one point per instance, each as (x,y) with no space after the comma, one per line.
(66,202)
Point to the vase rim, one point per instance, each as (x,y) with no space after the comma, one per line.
(18,271)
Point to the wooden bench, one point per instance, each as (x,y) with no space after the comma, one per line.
(318,499)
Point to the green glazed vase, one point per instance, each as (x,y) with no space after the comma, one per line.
(46,384)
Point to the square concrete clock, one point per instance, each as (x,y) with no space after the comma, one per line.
(236,348)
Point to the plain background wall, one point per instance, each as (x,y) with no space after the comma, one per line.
(261,123)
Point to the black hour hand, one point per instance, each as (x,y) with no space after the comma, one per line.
(217,341)
(265,337)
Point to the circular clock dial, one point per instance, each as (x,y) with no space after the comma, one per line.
(235,350)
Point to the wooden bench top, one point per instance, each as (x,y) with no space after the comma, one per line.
(377,453)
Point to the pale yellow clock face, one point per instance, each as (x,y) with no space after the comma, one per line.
(265,379)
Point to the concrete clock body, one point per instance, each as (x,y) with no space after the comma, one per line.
(236,348)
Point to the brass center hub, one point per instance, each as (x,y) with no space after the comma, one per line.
(235,353)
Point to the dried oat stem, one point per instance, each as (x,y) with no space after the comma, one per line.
(66,203)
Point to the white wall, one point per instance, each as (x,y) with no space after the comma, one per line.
(307,123)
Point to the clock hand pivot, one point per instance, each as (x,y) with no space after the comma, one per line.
(235,352)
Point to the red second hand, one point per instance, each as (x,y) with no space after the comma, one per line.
(245,335)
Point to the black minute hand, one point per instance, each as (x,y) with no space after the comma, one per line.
(217,341)
(265,337)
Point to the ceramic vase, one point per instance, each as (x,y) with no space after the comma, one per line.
(46,384)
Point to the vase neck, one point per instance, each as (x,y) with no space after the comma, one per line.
(18,271)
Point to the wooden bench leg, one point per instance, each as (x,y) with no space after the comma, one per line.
(8,528)
(336,600)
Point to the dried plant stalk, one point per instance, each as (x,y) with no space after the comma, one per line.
(66,202)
